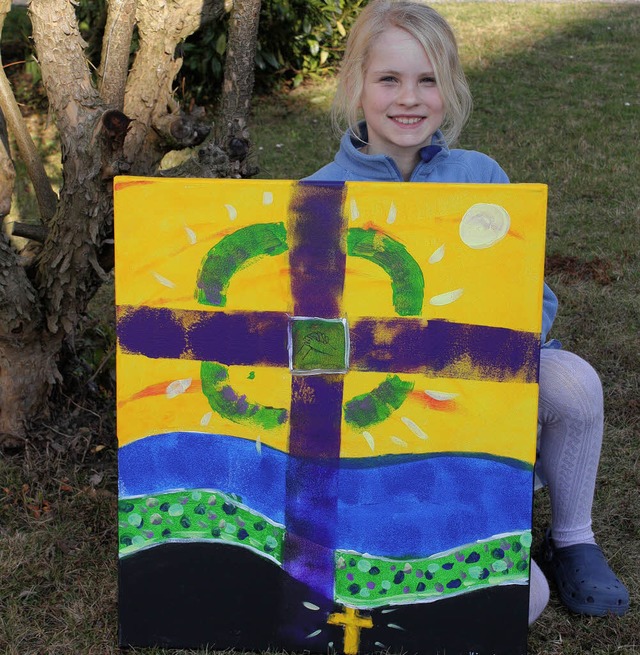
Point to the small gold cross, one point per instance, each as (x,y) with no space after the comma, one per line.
(353,622)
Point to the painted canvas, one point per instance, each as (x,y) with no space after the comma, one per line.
(327,410)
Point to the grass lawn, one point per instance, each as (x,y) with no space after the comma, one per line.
(557,100)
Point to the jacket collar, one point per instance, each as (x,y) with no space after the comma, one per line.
(382,167)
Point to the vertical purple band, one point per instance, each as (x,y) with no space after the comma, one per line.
(317,259)
(317,255)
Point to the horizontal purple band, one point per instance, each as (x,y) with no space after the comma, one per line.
(399,345)
(251,339)
(444,349)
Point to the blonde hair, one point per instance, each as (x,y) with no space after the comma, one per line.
(435,35)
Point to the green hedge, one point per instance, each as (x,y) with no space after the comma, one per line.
(296,39)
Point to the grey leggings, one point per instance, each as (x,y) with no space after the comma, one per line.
(571,420)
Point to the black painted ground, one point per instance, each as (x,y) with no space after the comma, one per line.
(197,594)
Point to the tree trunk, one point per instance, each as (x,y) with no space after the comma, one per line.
(125,124)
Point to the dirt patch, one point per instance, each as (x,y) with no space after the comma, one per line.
(574,269)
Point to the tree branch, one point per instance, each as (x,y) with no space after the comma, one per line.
(7,171)
(239,67)
(149,93)
(65,71)
(45,195)
(116,45)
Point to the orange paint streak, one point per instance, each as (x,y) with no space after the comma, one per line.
(517,235)
(159,389)
(432,403)
(123,185)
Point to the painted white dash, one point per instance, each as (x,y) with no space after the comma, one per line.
(233,214)
(391,218)
(446,298)
(191,235)
(399,441)
(206,419)
(178,387)
(355,212)
(395,626)
(368,437)
(259,445)
(440,395)
(314,634)
(164,281)
(310,606)
(437,255)
(267,198)
(379,644)
(414,428)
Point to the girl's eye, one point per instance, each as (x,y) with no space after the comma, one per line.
(431,81)
(388,78)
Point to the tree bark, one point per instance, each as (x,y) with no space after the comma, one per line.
(149,93)
(239,66)
(45,195)
(116,46)
(124,124)
(7,171)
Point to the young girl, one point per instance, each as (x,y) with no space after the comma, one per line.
(402,72)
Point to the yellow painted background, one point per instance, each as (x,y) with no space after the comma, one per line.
(165,227)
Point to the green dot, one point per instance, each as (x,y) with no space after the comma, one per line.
(230,528)
(526,540)
(152,502)
(475,572)
(135,520)
(271,542)
(196,495)
(499,565)
(365,593)
(138,540)
(176,510)
(385,584)
(364,565)
(432,568)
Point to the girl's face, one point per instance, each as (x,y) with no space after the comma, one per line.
(401,102)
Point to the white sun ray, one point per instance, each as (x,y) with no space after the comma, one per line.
(310,606)
(395,626)
(259,445)
(231,210)
(315,633)
(379,644)
(391,218)
(368,437)
(399,441)
(414,428)
(178,387)
(191,235)
(204,421)
(164,281)
(267,198)
(446,298)
(440,395)
(437,255)
(355,212)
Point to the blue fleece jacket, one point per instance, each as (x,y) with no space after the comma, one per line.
(438,164)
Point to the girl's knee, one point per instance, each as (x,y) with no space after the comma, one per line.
(568,380)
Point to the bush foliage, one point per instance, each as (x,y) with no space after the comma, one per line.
(297,39)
